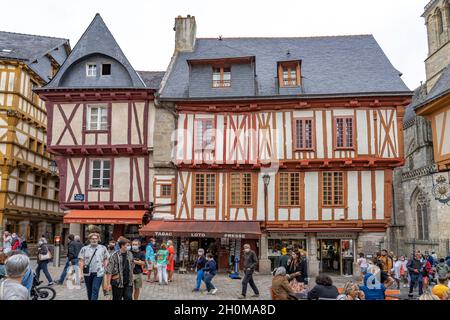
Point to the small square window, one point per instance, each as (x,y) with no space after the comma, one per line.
(166,190)
(106,69)
(91,70)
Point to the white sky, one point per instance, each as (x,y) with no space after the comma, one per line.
(144,29)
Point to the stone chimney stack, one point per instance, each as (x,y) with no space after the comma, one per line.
(185,33)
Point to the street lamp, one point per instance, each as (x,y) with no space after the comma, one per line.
(52,166)
(266,180)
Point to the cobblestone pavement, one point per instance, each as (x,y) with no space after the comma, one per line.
(181,287)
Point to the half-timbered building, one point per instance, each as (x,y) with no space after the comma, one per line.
(293,137)
(29,184)
(100,119)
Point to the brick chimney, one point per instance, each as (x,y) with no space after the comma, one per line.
(185,30)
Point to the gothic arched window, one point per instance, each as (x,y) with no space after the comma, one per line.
(422,216)
(439,22)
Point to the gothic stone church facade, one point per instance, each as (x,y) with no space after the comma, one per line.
(419,220)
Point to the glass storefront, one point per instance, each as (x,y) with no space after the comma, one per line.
(276,244)
(336,256)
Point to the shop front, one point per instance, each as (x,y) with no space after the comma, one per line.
(224,240)
(276,240)
(111,223)
(336,252)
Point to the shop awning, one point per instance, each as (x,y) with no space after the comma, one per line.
(202,229)
(105,216)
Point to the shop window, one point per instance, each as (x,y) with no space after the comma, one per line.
(100,174)
(221,77)
(344,133)
(241,189)
(204,134)
(288,188)
(303,134)
(333,189)
(205,189)
(97,117)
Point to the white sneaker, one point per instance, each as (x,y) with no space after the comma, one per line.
(214,291)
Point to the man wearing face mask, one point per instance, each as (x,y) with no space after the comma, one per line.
(92,261)
(139,263)
(111,247)
(250,261)
(119,272)
(198,266)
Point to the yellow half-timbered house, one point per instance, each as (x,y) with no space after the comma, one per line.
(28,181)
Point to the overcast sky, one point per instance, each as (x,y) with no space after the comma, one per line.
(144,29)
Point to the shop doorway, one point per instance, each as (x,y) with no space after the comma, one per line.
(336,256)
(329,252)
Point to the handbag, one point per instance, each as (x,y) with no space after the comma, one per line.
(47,256)
(87,266)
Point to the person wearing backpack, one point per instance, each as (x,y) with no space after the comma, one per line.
(442,269)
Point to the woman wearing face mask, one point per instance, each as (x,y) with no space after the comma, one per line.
(198,267)
(43,258)
(11,287)
(92,261)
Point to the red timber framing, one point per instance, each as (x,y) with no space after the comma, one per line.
(259,117)
(74,159)
(82,99)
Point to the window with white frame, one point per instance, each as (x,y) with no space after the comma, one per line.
(100,173)
(204,139)
(97,118)
(91,69)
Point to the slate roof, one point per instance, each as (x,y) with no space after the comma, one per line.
(97,39)
(441,88)
(152,79)
(337,65)
(28,48)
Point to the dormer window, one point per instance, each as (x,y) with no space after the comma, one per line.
(289,74)
(91,70)
(221,77)
(106,69)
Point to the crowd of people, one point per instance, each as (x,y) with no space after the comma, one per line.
(382,272)
(121,267)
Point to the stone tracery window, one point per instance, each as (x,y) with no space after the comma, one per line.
(422,210)
(439,22)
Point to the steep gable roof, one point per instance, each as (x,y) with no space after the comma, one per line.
(97,39)
(29,48)
(337,65)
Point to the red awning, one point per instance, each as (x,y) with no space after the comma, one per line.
(105,216)
(202,229)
